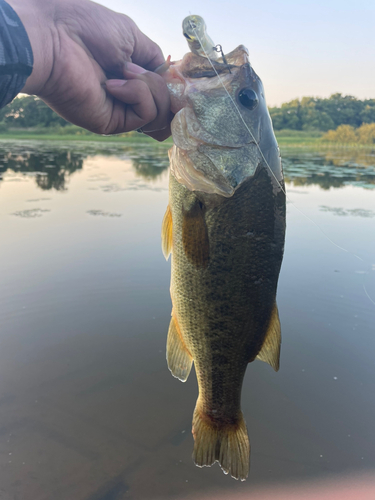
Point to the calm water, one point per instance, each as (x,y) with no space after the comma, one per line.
(88,408)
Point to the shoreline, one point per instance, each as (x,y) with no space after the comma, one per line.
(286,140)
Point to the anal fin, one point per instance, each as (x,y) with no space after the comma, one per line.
(166,233)
(270,352)
(178,357)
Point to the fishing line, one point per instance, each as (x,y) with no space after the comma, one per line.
(276,179)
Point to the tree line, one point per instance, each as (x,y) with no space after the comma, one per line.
(316,113)
(308,113)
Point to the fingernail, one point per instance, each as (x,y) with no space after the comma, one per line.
(112,84)
(134,68)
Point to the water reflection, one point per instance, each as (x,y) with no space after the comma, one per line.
(336,168)
(361,157)
(150,167)
(355,212)
(101,213)
(53,166)
(88,408)
(31,213)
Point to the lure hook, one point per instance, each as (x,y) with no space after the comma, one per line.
(219,48)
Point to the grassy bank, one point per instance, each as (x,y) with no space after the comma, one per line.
(298,138)
(286,138)
(68,134)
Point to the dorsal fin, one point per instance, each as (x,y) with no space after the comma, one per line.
(195,235)
(166,233)
(270,352)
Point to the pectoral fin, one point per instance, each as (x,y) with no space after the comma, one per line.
(270,352)
(195,236)
(166,233)
(178,357)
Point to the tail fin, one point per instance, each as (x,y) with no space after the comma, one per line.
(229,445)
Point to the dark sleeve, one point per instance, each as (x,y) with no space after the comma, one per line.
(16,56)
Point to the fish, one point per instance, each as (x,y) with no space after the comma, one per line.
(224,228)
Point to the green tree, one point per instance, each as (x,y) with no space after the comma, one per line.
(30,111)
(288,116)
(312,118)
(314,113)
(343,110)
(368,111)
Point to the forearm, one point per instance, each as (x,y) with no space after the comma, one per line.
(16,58)
(37,19)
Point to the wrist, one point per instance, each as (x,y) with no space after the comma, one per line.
(37,19)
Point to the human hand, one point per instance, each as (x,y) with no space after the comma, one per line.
(77,46)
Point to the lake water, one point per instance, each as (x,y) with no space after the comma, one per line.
(88,407)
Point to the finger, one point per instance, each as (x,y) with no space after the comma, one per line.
(159,126)
(139,109)
(161,97)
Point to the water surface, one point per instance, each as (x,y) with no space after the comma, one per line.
(88,408)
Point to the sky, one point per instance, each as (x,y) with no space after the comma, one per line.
(298,48)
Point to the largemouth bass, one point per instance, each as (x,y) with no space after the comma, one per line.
(225,228)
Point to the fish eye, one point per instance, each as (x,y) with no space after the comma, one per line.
(248,98)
